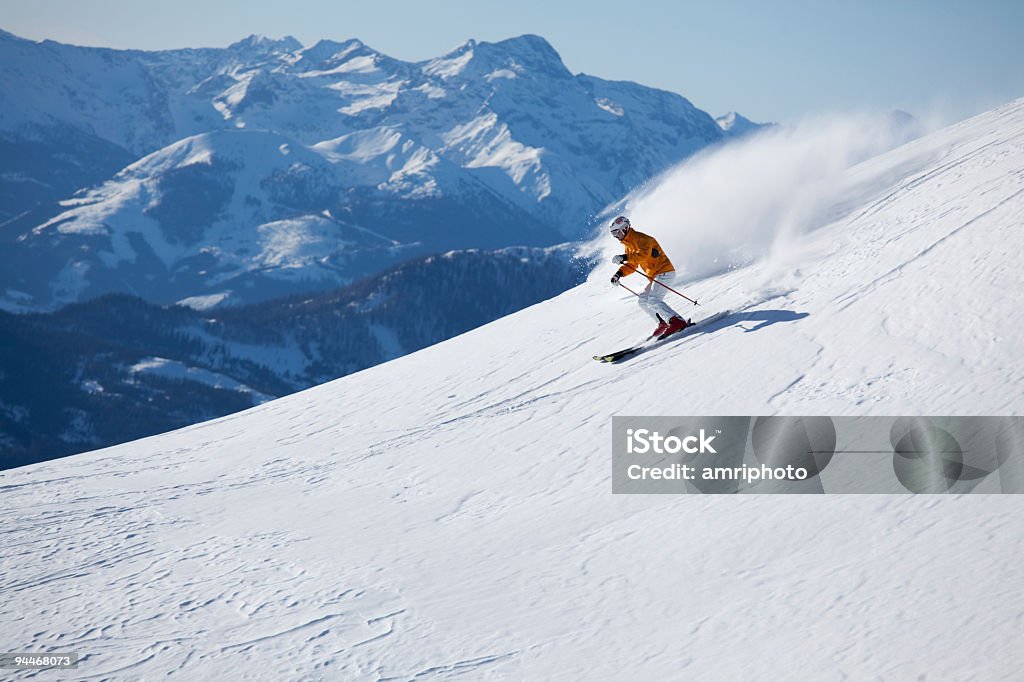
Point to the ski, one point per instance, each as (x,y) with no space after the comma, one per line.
(619,354)
(649,342)
(652,342)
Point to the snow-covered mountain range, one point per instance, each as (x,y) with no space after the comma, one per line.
(450,512)
(268,167)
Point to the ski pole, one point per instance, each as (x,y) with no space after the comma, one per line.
(628,289)
(662,284)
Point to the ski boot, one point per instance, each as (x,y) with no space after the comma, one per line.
(675,324)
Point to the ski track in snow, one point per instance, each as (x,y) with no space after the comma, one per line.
(450,513)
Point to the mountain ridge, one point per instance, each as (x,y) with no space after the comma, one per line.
(489,145)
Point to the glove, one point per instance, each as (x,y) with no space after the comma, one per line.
(616,277)
(619,259)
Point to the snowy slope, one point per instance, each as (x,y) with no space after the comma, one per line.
(450,512)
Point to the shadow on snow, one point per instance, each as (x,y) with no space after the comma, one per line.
(764,318)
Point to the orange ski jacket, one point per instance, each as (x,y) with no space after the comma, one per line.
(643,251)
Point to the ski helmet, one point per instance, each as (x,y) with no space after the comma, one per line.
(619,227)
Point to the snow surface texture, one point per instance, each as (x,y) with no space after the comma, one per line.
(451,511)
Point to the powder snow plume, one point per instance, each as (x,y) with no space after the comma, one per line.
(751,199)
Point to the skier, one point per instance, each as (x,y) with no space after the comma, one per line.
(644,252)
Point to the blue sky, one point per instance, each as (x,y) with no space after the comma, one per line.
(768,60)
